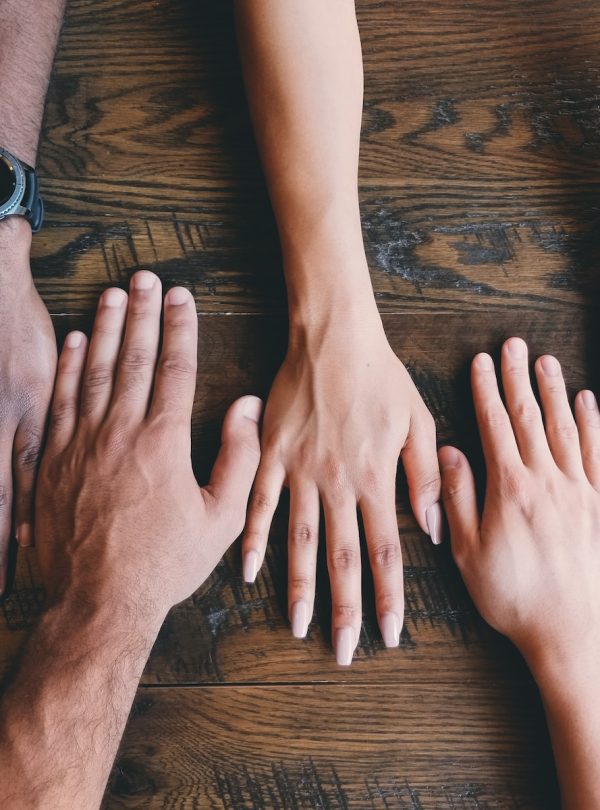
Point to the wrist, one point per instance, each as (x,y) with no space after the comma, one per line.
(15,247)
(113,611)
(566,676)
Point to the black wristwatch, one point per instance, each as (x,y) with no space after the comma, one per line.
(19,191)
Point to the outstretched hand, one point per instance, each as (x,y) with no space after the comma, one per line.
(341,412)
(120,515)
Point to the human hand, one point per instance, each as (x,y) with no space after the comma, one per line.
(27,369)
(120,518)
(532,560)
(341,411)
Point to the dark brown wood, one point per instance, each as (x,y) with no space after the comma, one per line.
(276,747)
(480,179)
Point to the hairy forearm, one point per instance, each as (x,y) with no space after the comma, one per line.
(303,69)
(62,718)
(29,37)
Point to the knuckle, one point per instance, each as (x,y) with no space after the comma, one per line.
(62,413)
(565,430)
(373,479)
(512,486)
(454,491)
(389,600)
(527,412)
(336,474)
(180,320)
(301,583)
(303,534)
(261,503)
(136,358)
(345,558)
(345,611)
(385,554)
(177,366)
(28,456)
(426,485)
(427,424)
(98,375)
(4,498)
(494,417)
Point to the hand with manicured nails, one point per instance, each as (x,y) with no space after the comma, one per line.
(531,559)
(27,369)
(120,515)
(341,411)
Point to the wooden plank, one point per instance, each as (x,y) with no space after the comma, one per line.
(480,166)
(306,747)
(232,632)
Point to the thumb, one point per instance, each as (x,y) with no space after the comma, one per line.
(236,465)
(460,501)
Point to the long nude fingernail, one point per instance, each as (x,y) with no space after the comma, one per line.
(251,560)
(299,619)
(344,646)
(390,629)
(433,516)
(25,535)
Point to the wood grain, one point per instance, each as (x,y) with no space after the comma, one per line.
(479,183)
(479,172)
(273,747)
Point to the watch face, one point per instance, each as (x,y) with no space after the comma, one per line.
(8,181)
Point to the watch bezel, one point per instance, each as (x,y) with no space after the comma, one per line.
(13,203)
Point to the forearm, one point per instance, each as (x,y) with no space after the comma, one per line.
(29,37)
(571,697)
(62,718)
(303,70)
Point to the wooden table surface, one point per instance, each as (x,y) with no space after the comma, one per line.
(479,181)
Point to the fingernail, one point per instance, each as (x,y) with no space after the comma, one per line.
(589,400)
(144,280)
(344,646)
(178,296)
(114,298)
(433,516)
(390,629)
(73,340)
(550,365)
(253,408)
(484,362)
(299,619)
(25,535)
(516,348)
(251,560)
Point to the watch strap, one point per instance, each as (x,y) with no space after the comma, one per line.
(32,201)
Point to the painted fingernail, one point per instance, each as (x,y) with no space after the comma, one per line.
(484,362)
(253,408)
(589,400)
(251,560)
(433,516)
(344,646)
(550,365)
(390,629)
(73,340)
(516,348)
(144,280)
(299,619)
(25,535)
(114,298)
(178,296)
